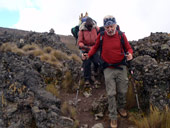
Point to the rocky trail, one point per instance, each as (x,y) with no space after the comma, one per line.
(84,109)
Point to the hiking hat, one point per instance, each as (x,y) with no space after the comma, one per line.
(109,20)
(84,19)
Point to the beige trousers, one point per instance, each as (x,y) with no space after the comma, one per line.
(116,82)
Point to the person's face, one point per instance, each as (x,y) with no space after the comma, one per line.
(89,27)
(110,29)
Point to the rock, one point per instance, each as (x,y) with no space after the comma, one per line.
(99,125)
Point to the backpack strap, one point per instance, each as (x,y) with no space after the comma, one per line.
(96,30)
(101,42)
(122,40)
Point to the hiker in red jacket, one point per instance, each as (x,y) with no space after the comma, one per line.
(116,79)
(86,39)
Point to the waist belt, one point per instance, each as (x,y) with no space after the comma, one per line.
(104,64)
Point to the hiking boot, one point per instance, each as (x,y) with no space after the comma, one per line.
(87,84)
(97,82)
(113,123)
(122,112)
(87,92)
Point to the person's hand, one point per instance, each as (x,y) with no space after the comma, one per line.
(129,56)
(84,56)
(81,45)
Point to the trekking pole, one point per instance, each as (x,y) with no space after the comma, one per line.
(77,93)
(134,85)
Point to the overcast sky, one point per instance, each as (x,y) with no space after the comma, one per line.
(137,18)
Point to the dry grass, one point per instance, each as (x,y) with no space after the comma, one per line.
(51,88)
(7,47)
(50,59)
(59,55)
(68,110)
(131,101)
(30,47)
(47,50)
(53,59)
(18,51)
(3,100)
(45,57)
(15,89)
(76,124)
(155,119)
(76,58)
(68,82)
(36,52)
(47,54)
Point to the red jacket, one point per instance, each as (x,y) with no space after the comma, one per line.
(87,38)
(112,50)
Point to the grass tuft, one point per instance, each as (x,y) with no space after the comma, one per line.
(76,58)
(155,119)
(59,55)
(68,82)
(68,110)
(47,50)
(51,88)
(7,47)
(30,47)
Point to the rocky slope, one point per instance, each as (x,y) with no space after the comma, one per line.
(152,68)
(25,101)
(28,84)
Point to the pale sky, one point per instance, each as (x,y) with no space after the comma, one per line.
(137,18)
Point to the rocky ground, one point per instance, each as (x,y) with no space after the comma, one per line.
(86,106)
(33,88)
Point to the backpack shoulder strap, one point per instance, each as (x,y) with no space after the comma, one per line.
(122,40)
(101,41)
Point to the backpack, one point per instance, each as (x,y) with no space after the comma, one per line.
(75,31)
(104,64)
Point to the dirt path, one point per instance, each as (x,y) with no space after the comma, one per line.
(84,113)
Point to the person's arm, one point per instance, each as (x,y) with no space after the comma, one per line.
(94,49)
(80,39)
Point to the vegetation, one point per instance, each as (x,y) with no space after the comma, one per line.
(71,112)
(46,54)
(155,119)
(68,82)
(68,110)
(51,88)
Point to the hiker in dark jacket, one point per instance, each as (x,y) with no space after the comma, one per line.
(116,79)
(86,39)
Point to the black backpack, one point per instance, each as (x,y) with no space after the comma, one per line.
(104,64)
(75,31)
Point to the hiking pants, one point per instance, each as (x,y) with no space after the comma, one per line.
(87,66)
(116,82)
